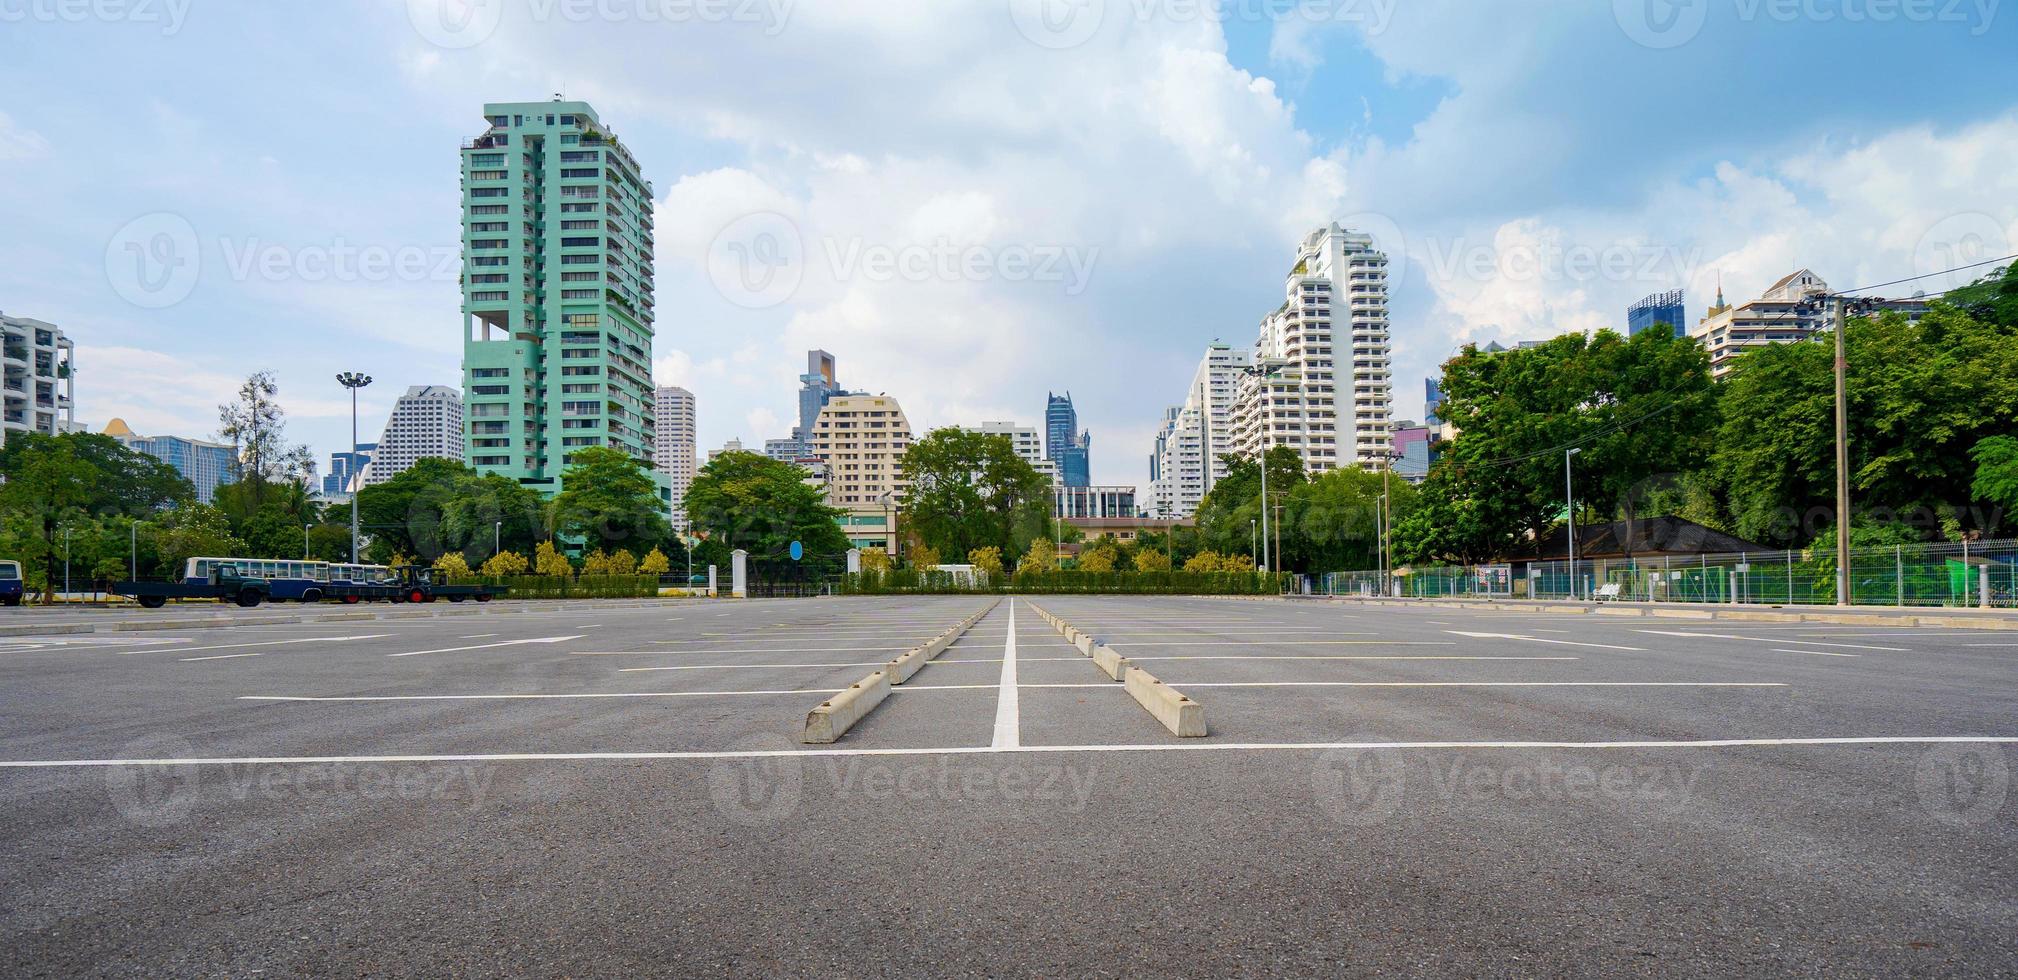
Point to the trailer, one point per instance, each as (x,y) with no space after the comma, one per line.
(410,584)
(225,581)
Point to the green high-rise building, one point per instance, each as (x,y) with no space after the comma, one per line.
(556,292)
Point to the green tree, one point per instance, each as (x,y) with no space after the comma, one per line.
(1100,557)
(1150,560)
(404,515)
(925,558)
(192,531)
(876,560)
(1921,396)
(655,563)
(452,565)
(1992,299)
(987,561)
(610,500)
(970,490)
(1634,407)
(1997,472)
(1041,557)
(1229,518)
(504,564)
(256,426)
(330,542)
(547,560)
(762,505)
(74,479)
(273,532)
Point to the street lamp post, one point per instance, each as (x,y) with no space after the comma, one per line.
(353,381)
(133,536)
(1570,501)
(66,564)
(1263,371)
(1253,542)
(497,538)
(305,555)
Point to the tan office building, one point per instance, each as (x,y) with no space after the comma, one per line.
(862,439)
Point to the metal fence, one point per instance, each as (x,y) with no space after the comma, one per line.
(1964,574)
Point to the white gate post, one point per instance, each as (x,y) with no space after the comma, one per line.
(739,583)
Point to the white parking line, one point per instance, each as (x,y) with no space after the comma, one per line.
(1773,639)
(1298,643)
(1193,745)
(1397,657)
(1820,653)
(663,653)
(602,696)
(1191,684)
(487,646)
(267,643)
(1542,639)
(1008,713)
(222,656)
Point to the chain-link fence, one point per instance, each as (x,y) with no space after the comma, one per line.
(1964,574)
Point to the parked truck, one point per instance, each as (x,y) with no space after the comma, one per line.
(410,584)
(224,582)
(11,589)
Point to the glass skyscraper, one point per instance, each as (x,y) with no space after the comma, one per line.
(1064,443)
(1656,309)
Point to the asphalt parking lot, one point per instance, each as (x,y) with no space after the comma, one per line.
(572,790)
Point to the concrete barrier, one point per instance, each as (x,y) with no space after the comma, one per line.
(1184,717)
(1085,644)
(54,629)
(1113,664)
(915,659)
(832,719)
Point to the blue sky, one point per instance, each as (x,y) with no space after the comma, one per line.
(988,204)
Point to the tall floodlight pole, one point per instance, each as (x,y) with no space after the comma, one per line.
(353,381)
(1570,501)
(1842,464)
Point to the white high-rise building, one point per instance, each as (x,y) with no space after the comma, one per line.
(1326,351)
(1197,435)
(1028,442)
(676,446)
(37,378)
(426,423)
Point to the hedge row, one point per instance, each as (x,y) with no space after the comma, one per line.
(579,587)
(912,582)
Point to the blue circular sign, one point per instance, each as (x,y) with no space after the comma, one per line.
(798,550)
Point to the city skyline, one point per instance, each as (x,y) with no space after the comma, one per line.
(284,248)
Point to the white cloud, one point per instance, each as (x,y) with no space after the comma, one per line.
(18,142)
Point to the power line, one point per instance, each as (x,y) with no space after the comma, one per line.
(1930,275)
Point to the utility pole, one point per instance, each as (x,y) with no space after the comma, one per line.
(1385,517)
(1842,463)
(1570,501)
